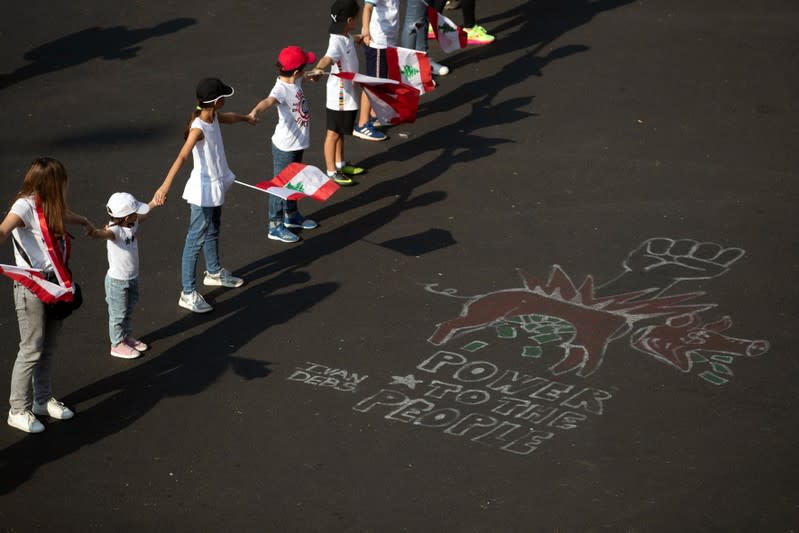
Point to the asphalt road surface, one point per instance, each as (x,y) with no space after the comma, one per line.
(563,300)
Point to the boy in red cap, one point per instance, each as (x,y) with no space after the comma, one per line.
(291,137)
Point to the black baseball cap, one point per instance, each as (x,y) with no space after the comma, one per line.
(340,11)
(210,90)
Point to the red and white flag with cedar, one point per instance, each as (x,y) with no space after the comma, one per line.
(298,181)
(411,67)
(33,279)
(392,101)
(450,36)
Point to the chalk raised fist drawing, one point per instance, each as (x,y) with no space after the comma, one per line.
(660,263)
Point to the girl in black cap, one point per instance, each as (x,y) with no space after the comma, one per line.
(204,191)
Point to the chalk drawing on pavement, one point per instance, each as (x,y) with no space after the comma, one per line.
(582,320)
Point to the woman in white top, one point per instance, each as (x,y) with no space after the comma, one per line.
(205,191)
(37,222)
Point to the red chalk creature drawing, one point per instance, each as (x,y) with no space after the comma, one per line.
(683,336)
(587,318)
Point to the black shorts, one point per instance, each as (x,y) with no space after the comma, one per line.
(376,65)
(341,122)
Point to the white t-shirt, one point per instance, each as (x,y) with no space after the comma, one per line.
(292,132)
(30,236)
(211,176)
(341,95)
(123,253)
(384,23)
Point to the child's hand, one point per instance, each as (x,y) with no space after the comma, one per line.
(160,196)
(89,229)
(314,74)
(357,39)
(251,119)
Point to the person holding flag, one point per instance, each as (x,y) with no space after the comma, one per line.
(342,97)
(380,29)
(37,223)
(414,33)
(291,137)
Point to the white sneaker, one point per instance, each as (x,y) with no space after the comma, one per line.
(194,302)
(54,408)
(25,421)
(223,278)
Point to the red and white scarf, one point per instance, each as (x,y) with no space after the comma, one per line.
(33,278)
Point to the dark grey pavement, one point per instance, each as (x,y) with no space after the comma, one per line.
(419,363)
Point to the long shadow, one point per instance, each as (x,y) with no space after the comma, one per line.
(192,365)
(188,368)
(115,42)
(468,147)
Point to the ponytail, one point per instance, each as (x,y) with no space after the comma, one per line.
(194,114)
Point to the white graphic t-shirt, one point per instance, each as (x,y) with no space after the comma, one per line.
(292,132)
(123,253)
(341,95)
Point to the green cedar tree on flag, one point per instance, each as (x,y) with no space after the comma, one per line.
(450,36)
(410,67)
(298,181)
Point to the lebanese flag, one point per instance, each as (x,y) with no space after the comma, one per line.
(33,280)
(392,101)
(298,181)
(450,36)
(411,67)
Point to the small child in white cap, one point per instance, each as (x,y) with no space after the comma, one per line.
(121,281)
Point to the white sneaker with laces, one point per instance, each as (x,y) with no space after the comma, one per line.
(222,278)
(194,302)
(54,408)
(25,421)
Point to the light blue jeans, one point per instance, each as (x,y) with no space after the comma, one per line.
(203,235)
(122,295)
(30,377)
(414,26)
(278,207)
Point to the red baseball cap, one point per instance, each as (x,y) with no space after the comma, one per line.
(293,57)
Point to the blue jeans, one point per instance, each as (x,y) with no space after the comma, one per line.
(122,295)
(30,378)
(414,27)
(278,207)
(203,234)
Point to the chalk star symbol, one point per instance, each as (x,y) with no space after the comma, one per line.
(409,381)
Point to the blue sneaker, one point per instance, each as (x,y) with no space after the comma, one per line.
(280,233)
(369,133)
(298,221)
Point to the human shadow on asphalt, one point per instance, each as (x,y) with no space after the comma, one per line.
(186,369)
(195,363)
(539,24)
(115,42)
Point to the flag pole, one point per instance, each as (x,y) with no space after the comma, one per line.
(250,186)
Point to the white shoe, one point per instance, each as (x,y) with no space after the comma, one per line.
(194,302)
(54,409)
(438,69)
(223,278)
(25,421)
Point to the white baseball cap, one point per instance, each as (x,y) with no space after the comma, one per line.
(122,204)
